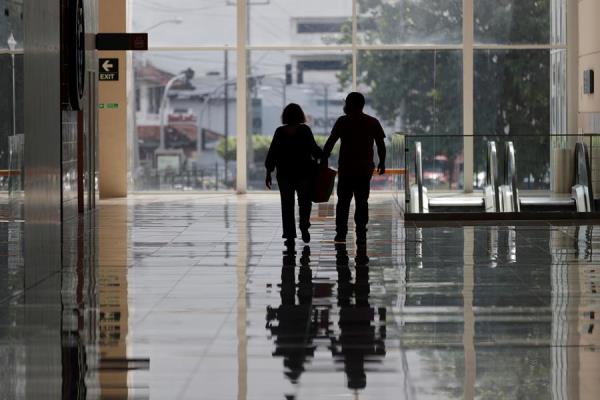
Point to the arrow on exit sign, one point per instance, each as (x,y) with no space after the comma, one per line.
(108,69)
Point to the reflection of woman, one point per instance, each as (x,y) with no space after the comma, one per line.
(293,153)
(290,323)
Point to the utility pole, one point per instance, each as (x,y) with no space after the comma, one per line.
(326,95)
(226,121)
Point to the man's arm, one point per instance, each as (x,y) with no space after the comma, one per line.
(333,138)
(381,152)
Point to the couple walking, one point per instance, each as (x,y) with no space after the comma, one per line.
(294,152)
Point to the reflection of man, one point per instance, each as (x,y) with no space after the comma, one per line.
(357,132)
(359,339)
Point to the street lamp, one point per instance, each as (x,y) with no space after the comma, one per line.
(131,96)
(177,21)
(188,74)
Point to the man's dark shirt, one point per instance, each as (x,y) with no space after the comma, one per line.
(357,132)
(293,152)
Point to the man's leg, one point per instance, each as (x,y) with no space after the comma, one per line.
(344,193)
(286,191)
(362,190)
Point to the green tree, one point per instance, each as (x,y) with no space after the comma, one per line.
(231,148)
(260,146)
(512,88)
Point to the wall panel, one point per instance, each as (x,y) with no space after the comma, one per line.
(42,198)
(43,137)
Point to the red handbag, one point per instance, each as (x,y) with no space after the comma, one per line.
(323,183)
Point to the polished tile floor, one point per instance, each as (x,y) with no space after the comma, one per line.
(195,297)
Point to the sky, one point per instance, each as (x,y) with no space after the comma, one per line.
(213,23)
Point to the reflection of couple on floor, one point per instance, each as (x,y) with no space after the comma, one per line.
(297,322)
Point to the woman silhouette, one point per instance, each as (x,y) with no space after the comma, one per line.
(293,153)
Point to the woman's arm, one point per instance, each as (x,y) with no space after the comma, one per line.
(315,150)
(270,161)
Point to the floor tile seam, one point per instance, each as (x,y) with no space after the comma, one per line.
(136,199)
(22,292)
(162,298)
(167,243)
(202,358)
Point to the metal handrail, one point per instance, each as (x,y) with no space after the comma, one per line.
(510,174)
(492,172)
(583,174)
(419,173)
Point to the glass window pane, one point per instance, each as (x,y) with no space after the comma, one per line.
(186,22)
(512,21)
(419,92)
(312,80)
(512,102)
(306,22)
(410,21)
(11,21)
(199,114)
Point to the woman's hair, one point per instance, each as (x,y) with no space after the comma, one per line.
(292,114)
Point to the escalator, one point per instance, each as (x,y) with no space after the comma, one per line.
(503,200)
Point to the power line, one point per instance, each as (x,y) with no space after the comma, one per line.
(171,9)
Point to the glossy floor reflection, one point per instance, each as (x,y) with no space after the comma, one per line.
(195,297)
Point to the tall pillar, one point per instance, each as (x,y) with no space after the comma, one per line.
(589,59)
(112,120)
(572,66)
(563,93)
(468,68)
(242,92)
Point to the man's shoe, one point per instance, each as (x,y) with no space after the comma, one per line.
(339,238)
(289,243)
(306,236)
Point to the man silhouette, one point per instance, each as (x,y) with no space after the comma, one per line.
(357,132)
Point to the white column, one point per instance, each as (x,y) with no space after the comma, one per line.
(469,350)
(242,304)
(572,67)
(241,134)
(468,74)
(354,44)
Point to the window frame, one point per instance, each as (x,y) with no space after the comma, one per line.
(559,39)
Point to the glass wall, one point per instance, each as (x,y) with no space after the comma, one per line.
(512,102)
(11,106)
(512,21)
(185,23)
(420,95)
(185,113)
(410,21)
(406,56)
(519,84)
(309,78)
(299,23)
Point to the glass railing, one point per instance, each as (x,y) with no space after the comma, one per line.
(11,178)
(16,177)
(396,165)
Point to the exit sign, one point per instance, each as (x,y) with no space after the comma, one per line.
(108,69)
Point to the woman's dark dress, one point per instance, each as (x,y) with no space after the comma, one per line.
(293,153)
